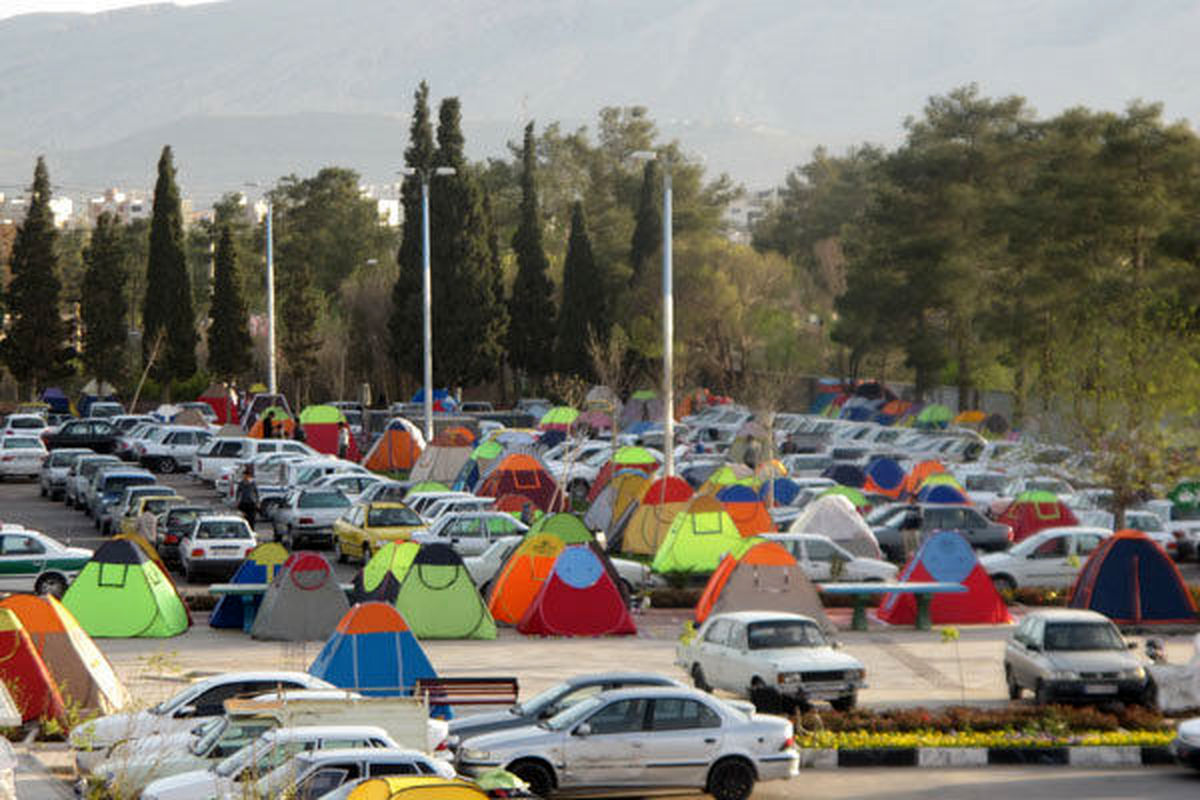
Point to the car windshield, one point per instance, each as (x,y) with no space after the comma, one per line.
(26,422)
(581,710)
(385,517)
(984,483)
(182,517)
(117,483)
(323,500)
(1082,636)
(534,704)
(232,529)
(783,633)
(61,459)
(209,732)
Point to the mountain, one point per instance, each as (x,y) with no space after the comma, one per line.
(253,89)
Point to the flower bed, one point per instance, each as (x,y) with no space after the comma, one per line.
(867,740)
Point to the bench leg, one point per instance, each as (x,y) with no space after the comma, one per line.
(924,622)
(858,622)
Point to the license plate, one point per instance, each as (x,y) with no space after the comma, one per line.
(217,550)
(1099,688)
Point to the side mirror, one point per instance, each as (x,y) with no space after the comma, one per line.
(583,730)
(183,712)
(1131,645)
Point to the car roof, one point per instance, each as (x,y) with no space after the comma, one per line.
(220,518)
(303,678)
(1075,529)
(676,690)
(761,616)
(1067,615)
(360,754)
(647,678)
(312,731)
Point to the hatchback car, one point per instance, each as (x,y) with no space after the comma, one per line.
(366,527)
(1072,655)
(21,456)
(215,547)
(173,525)
(80,476)
(23,425)
(1052,558)
(52,480)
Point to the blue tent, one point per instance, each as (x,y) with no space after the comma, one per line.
(784,491)
(941,493)
(442,396)
(58,401)
(259,567)
(885,474)
(846,475)
(372,651)
(1132,581)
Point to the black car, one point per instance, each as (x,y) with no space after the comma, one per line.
(94,434)
(172,525)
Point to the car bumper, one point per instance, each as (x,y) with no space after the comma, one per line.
(1185,754)
(217,568)
(779,767)
(830,690)
(474,769)
(1093,690)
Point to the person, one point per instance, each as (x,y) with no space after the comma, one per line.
(247,496)
(343,439)
(298,433)
(147,524)
(269,425)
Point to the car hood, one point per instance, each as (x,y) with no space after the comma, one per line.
(462,726)
(992,560)
(74,552)
(159,744)
(1093,660)
(198,784)
(108,730)
(528,737)
(802,659)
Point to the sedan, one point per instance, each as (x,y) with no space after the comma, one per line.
(21,456)
(638,740)
(215,547)
(34,562)
(307,516)
(94,434)
(822,559)
(367,527)
(53,478)
(172,526)
(471,532)
(1051,558)
(1186,747)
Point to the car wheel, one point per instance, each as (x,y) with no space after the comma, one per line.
(167,465)
(341,554)
(366,554)
(698,679)
(1014,688)
(1003,583)
(537,774)
(1041,694)
(845,703)
(53,583)
(730,779)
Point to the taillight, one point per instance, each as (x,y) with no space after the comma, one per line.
(171,538)
(306,520)
(789,744)
(197,553)
(444,744)
(6,458)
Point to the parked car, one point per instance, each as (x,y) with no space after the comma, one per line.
(215,547)
(95,434)
(385,491)
(307,516)
(79,476)
(1052,558)
(483,568)
(52,480)
(316,773)
(822,559)
(351,484)
(980,532)
(108,487)
(642,739)
(31,561)
(21,456)
(23,425)
(550,702)
(174,450)
(105,409)
(108,520)
(1072,655)
(157,505)
(453,505)
(173,525)
(1152,525)
(775,659)
(472,532)
(1186,745)
(364,528)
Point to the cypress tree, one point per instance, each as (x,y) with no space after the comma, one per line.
(299,340)
(102,301)
(583,307)
(531,308)
(35,348)
(228,335)
(168,303)
(647,231)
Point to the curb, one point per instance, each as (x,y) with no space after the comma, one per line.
(986,757)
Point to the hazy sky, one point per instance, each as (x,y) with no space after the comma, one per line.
(11,8)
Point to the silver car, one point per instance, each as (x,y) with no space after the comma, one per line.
(53,479)
(80,476)
(307,515)
(1072,655)
(643,739)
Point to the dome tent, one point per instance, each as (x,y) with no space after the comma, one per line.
(372,651)
(582,596)
(945,556)
(122,593)
(1132,581)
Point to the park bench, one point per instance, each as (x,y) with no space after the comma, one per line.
(864,593)
(467,691)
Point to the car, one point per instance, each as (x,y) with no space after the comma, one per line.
(484,567)
(351,484)
(23,425)
(206,412)
(365,527)
(315,773)
(187,708)
(1052,558)
(1186,745)
(126,447)
(173,524)
(385,491)
(95,434)
(641,739)
(215,547)
(980,532)
(1152,525)
(173,451)
(31,561)
(307,516)
(141,503)
(105,409)
(984,487)
(471,532)
(777,660)
(550,702)
(52,480)
(1073,655)
(822,559)
(80,474)
(452,505)
(420,501)
(21,456)
(108,518)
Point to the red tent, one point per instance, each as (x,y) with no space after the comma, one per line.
(521,473)
(582,597)
(946,557)
(218,397)
(1031,512)
(24,673)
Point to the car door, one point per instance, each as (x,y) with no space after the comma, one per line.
(711,652)
(472,537)
(1049,563)
(737,666)
(604,749)
(1020,656)
(682,739)
(324,780)
(818,560)
(22,557)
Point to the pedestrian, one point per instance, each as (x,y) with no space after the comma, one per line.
(269,425)
(147,524)
(247,496)
(343,439)
(298,433)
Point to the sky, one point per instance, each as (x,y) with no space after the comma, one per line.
(11,8)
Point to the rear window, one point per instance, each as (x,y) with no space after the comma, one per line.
(26,423)
(60,459)
(231,529)
(323,500)
(21,443)
(115,483)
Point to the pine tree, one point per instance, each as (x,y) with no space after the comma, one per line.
(584,313)
(647,231)
(228,336)
(168,303)
(34,349)
(531,307)
(102,301)
(300,340)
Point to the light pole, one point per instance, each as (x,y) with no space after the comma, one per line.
(272,386)
(668,314)
(427,288)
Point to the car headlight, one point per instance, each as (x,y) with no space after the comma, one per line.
(856,674)
(1137,673)
(472,754)
(788,677)
(1064,675)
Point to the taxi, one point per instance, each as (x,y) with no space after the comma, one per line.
(366,527)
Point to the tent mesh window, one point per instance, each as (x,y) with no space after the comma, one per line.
(706,522)
(113,575)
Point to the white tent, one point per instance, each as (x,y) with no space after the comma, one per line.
(835,516)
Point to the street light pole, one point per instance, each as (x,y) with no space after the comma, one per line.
(272,386)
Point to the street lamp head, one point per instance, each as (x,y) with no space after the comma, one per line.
(643,155)
(445,171)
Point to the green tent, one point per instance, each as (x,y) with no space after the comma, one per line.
(634,455)
(426,486)
(121,593)
(1186,497)
(850,493)
(380,578)
(567,527)
(699,537)
(439,600)
(940,479)
(487,451)
(644,394)
(321,415)
(934,415)
(560,417)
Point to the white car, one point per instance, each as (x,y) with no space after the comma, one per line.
(215,547)
(1050,557)
(316,773)
(351,484)
(817,554)
(31,561)
(80,476)
(471,532)
(52,480)
(647,738)
(173,450)
(483,567)
(23,425)
(775,659)
(21,456)
(454,505)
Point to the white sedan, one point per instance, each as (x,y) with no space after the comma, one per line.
(1050,558)
(215,547)
(820,558)
(34,562)
(21,455)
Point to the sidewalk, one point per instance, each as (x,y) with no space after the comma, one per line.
(35,782)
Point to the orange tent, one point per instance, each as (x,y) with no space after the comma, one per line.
(917,475)
(454,436)
(759,552)
(746,510)
(522,576)
(397,448)
(24,673)
(521,473)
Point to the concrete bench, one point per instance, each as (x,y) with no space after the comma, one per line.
(863,592)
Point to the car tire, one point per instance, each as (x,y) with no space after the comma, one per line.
(845,703)
(341,554)
(366,554)
(730,779)
(167,465)
(1010,680)
(537,774)
(51,583)
(698,679)
(1041,694)
(1004,583)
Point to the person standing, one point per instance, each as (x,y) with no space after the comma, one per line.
(269,425)
(147,524)
(247,496)
(343,439)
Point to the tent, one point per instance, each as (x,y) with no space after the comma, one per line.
(122,593)
(454,436)
(934,415)
(259,567)
(778,492)
(845,474)
(642,406)
(477,465)
(521,473)
(285,426)
(623,490)
(440,462)
(945,556)
(1033,511)
(626,458)
(439,600)
(727,475)
(320,425)
(559,418)
(764,577)
(835,516)
(428,787)
(57,400)
(25,675)
(443,400)
(303,602)
(884,476)
(221,399)
(372,651)
(645,530)
(567,527)
(380,578)
(1132,581)
(748,512)
(699,538)
(397,448)
(942,493)
(84,677)
(917,475)
(581,597)
(518,582)
(856,498)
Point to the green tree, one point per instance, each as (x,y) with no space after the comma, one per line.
(168,302)
(34,348)
(647,231)
(584,313)
(228,334)
(300,336)
(531,307)
(103,305)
